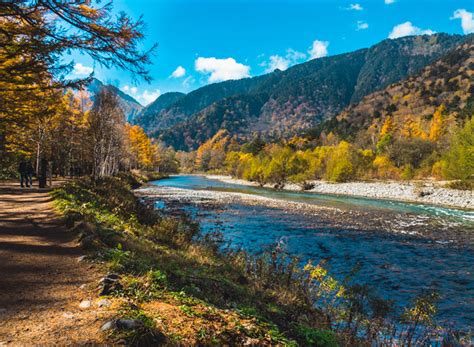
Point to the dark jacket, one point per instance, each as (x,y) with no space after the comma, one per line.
(29,169)
(23,167)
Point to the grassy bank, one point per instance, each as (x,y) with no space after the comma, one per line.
(183,290)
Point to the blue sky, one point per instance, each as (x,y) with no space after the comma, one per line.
(205,41)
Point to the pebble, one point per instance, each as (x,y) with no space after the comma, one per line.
(85,304)
(81,258)
(68,315)
(108,326)
(104,303)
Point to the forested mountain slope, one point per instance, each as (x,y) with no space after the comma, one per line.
(281,104)
(444,89)
(146,116)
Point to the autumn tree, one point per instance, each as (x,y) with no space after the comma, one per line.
(106,126)
(143,153)
(459,161)
(33,45)
(437,124)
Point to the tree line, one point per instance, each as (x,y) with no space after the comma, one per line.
(443,148)
(46,116)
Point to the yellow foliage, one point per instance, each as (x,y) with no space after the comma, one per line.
(387,127)
(384,167)
(437,124)
(143,151)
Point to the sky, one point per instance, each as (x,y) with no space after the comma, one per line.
(207,41)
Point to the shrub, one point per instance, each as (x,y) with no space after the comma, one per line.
(461,185)
(340,167)
(460,158)
(316,337)
(408,173)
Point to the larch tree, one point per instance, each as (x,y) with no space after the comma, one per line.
(33,44)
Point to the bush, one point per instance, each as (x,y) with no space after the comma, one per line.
(461,185)
(460,158)
(408,173)
(315,337)
(339,166)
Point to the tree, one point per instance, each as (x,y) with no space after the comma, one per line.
(35,36)
(409,151)
(106,126)
(386,135)
(459,160)
(340,167)
(143,153)
(437,124)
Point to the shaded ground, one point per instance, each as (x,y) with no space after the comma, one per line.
(42,282)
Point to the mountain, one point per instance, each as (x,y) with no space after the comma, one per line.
(283,103)
(446,85)
(147,115)
(131,107)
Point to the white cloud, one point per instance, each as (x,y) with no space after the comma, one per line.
(221,69)
(294,55)
(319,49)
(179,72)
(361,25)
(291,58)
(467,20)
(407,29)
(277,62)
(82,70)
(148,97)
(145,98)
(389,2)
(355,7)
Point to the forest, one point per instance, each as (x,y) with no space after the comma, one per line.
(444,152)
(46,116)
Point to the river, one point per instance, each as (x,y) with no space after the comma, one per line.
(402,248)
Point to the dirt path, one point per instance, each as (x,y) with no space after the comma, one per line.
(42,282)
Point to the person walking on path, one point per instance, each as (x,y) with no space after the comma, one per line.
(23,169)
(29,173)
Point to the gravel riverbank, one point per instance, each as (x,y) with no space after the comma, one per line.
(426,192)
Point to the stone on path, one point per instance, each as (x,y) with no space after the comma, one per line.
(104,303)
(85,304)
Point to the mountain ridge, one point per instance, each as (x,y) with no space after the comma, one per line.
(283,103)
(130,107)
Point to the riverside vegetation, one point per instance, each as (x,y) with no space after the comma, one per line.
(184,288)
(418,128)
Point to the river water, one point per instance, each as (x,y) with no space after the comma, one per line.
(402,248)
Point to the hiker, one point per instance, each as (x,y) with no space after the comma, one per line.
(29,173)
(23,169)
